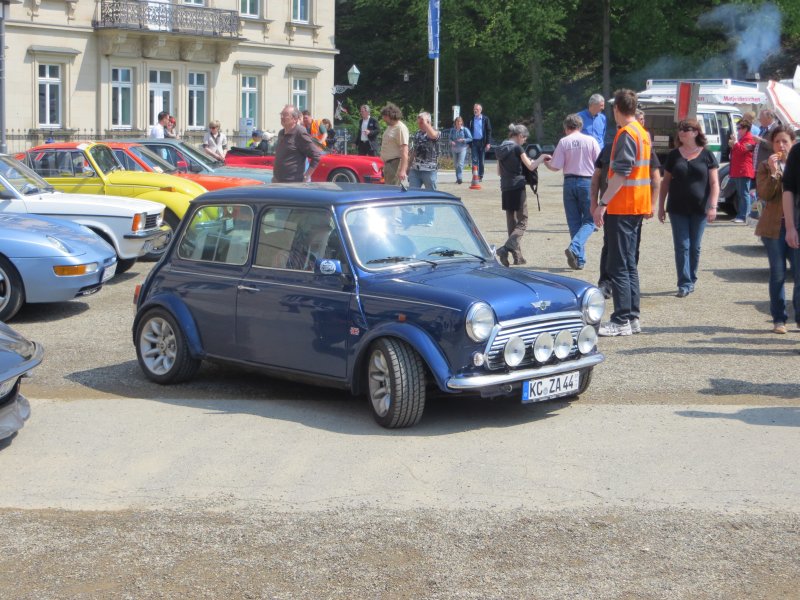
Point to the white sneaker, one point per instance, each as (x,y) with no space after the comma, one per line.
(611,329)
(636,326)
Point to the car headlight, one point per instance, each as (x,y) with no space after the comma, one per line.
(587,339)
(375,167)
(139,221)
(543,347)
(563,344)
(514,351)
(480,321)
(61,245)
(593,305)
(6,386)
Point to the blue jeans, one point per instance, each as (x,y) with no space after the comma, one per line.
(478,155)
(458,159)
(687,234)
(577,206)
(742,197)
(777,253)
(416,179)
(623,233)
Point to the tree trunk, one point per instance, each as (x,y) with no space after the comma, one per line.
(538,114)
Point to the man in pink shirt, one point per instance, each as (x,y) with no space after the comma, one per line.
(575,155)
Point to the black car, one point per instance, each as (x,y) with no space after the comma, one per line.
(17,357)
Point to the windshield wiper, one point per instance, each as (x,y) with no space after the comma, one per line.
(448,252)
(398,259)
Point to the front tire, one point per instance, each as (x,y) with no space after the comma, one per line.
(395,383)
(586,379)
(12,292)
(124,264)
(161,349)
(343,176)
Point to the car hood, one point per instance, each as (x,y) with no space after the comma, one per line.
(92,204)
(263,175)
(14,350)
(156,180)
(215,182)
(28,236)
(512,293)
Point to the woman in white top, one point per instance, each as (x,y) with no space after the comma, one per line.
(215,143)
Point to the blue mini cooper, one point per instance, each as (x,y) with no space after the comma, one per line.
(376,290)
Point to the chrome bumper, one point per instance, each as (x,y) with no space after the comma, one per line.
(149,233)
(475,382)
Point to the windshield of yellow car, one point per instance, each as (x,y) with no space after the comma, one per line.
(104,158)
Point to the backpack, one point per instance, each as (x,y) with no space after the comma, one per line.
(532,177)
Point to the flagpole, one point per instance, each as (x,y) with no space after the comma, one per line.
(435,93)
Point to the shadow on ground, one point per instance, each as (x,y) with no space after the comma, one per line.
(766,416)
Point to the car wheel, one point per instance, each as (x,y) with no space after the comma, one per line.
(343,176)
(124,264)
(395,383)
(12,292)
(162,350)
(173,221)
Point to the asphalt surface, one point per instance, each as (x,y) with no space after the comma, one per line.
(674,476)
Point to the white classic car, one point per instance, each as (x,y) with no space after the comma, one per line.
(133,227)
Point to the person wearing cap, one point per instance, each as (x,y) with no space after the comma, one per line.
(257,141)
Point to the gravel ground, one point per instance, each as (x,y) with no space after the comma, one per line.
(713,347)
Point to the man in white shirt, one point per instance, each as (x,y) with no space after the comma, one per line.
(157,130)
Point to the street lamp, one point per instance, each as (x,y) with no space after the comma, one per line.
(352,76)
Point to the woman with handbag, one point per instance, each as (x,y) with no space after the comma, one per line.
(772,229)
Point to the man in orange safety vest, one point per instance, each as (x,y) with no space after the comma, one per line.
(317,131)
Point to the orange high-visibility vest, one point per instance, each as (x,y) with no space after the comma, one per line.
(634,197)
(315,133)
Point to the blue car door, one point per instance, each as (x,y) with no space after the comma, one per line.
(288,315)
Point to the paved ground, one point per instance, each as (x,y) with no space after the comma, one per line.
(673,477)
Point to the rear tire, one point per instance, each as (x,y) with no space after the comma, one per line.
(395,383)
(12,291)
(343,176)
(161,348)
(124,264)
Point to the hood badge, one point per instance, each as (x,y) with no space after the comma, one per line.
(541,305)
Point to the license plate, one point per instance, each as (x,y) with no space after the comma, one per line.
(538,390)
(109,273)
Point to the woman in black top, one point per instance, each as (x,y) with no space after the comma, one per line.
(511,159)
(692,183)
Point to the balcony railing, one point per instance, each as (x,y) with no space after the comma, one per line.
(161,16)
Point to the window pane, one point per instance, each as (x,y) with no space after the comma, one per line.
(125,107)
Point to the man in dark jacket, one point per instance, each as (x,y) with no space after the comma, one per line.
(367,134)
(293,148)
(481,128)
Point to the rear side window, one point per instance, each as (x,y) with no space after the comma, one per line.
(294,238)
(218,234)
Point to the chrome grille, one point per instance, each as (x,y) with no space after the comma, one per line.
(529,331)
(151,222)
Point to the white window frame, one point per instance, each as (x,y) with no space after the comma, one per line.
(195,2)
(196,120)
(246,6)
(120,87)
(156,87)
(248,107)
(298,7)
(301,93)
(54,86)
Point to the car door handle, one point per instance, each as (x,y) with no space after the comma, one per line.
(245,288)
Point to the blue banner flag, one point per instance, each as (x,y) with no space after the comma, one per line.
(433,28)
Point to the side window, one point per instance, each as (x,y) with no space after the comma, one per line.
(44,163)
(709,121)
(218,234)
(295,238)
(81,166)
(127,162)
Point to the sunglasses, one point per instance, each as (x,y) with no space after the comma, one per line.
(741,127)
(687,128)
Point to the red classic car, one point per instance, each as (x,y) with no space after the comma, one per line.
(136,157)
(344,168)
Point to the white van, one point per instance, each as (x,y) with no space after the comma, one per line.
(718,122)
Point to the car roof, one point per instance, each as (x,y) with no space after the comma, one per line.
(321,193)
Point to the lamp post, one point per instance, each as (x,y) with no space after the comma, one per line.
(352,77)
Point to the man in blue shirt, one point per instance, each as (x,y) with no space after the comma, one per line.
(594,121)
(481,128)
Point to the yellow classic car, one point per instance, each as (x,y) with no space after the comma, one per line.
(92,168)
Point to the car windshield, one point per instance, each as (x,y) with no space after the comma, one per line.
(19,177)
(152,160)
(413,233)
(104,158)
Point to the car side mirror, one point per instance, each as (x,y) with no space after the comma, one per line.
(327,266)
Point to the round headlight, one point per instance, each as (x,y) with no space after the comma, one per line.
(593,305)
(543,347)
(587,339)
(514,351)
(563,344)
(480,321)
